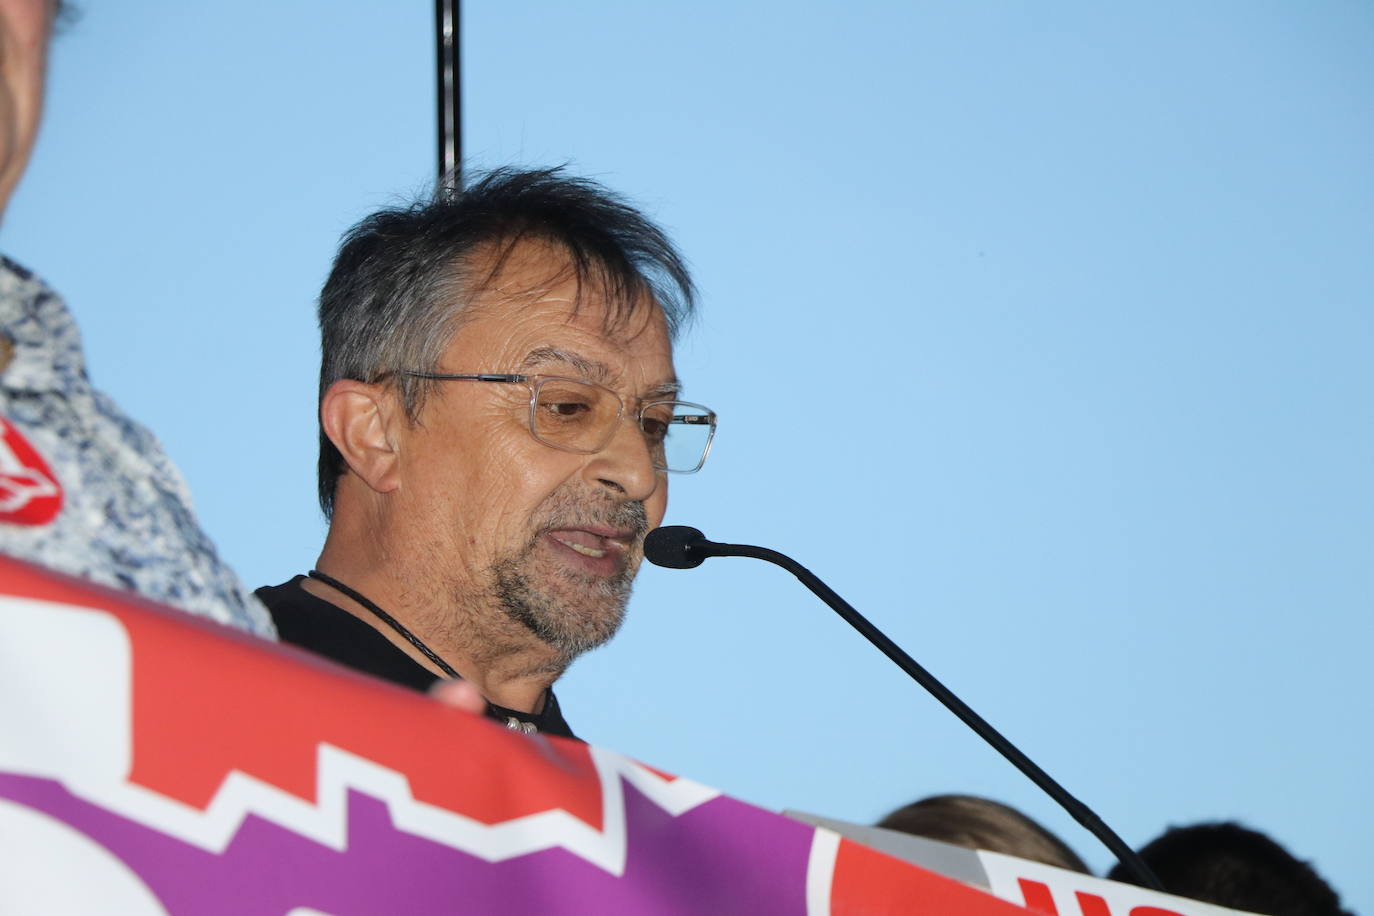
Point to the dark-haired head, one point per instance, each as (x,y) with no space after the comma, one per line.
(1233,866)
(403,276)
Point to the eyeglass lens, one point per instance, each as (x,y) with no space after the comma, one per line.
(581,417)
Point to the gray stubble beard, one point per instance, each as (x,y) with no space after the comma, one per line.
(569,627)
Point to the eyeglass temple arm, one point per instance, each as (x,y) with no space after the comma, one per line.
(464,377)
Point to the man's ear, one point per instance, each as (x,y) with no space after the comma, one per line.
(357,418)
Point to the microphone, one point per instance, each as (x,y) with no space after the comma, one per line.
(683,547)
(677,547)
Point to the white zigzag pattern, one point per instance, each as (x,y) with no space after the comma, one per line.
(63,731)
(82,739)
(339,771)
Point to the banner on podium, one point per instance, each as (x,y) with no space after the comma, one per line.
(151,762)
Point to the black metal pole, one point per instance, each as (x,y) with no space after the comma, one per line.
(448,57)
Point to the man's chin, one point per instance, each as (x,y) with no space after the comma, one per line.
(571,634)
(571,614)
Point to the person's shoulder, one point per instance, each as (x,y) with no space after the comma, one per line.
(15,269)
(290,604)
(277,594)
(310,622)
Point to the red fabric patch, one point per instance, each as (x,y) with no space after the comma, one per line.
(29,491)
(209,700)
(870,883)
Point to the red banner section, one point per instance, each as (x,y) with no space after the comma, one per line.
(158,763)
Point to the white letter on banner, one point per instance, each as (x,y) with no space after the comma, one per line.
(1068,888)
(820,871)
(67,674)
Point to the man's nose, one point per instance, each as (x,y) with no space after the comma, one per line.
(625,465)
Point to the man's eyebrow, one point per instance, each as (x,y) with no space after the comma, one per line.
(590,369)
(593,370)
(669,389)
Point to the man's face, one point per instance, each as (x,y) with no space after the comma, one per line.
(24,27)
(547,539)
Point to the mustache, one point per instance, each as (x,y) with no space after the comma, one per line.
(628,516)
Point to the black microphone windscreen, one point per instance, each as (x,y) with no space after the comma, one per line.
(671,546)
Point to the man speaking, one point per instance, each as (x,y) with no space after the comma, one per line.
(498,412)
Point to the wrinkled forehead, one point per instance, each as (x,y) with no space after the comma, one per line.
(514,277)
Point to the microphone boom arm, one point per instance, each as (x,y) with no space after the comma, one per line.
(1079,811)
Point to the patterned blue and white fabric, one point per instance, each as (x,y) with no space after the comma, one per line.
(84,489)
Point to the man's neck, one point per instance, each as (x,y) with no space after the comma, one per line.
(504,661)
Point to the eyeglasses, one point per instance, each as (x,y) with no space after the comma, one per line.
(580,416)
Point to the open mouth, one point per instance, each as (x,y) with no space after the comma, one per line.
(603,548)
(581,548)
(591,543)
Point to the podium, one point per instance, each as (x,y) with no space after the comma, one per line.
(156,763)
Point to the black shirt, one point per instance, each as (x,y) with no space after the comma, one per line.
(313,623)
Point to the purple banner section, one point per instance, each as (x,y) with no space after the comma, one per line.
(721,857)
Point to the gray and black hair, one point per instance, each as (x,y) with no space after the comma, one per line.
(403,274)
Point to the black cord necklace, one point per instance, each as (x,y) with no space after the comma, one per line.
(385,618)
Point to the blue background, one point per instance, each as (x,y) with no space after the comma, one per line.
(1041,331)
